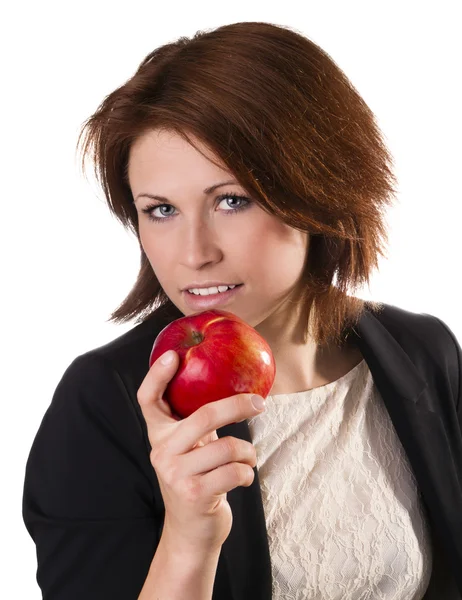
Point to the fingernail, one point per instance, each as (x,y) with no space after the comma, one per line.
(167,357)
(258,402)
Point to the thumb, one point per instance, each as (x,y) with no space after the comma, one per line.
(151,391)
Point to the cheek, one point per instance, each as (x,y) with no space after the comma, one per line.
(281,245)
(152,246)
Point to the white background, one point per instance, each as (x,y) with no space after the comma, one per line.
(67,263)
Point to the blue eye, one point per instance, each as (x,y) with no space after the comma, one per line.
(245,203)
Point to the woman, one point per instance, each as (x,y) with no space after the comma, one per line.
(348,484)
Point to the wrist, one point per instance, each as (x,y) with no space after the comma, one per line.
(187,552)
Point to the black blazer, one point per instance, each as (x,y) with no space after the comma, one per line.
(91,499)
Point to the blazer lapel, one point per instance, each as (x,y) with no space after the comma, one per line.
(393,371)
(246,551)
(410,403)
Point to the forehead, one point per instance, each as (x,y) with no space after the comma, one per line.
(164,158)
(164,147)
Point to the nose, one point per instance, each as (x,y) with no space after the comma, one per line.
(199,245)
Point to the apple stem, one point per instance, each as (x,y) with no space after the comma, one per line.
(197,337)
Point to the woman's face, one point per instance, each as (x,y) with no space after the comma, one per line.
(199,238)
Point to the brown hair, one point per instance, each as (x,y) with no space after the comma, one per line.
(287,122)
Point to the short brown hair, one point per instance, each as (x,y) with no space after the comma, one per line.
(290,126)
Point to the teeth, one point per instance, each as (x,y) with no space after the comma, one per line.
(211,290)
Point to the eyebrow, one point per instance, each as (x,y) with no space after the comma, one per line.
(207,191)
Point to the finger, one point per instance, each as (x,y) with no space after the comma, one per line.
(225,450)
(207,439)
(150,393)
(210,417)
(227,478)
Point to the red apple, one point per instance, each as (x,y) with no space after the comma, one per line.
(220,356)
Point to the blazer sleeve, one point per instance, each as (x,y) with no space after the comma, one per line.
(453,357)
(88,497)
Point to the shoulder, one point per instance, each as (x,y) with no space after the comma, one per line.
(397,319)
(98,390)
(126,356)
(423,336)
(105,380)
(409,325)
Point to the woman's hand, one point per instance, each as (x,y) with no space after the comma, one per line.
(195,468)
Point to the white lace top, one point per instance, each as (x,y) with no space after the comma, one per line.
(343,512)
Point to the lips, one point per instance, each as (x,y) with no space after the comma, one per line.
(203,286)
(198,302)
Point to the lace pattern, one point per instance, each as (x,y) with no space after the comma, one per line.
(343,511)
